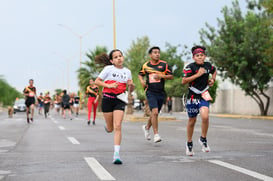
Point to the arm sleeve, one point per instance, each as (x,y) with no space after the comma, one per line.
(142,71)
(187,72)
(103,73)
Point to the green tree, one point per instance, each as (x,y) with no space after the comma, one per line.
(174,59)
(135,56)
(8,94)
(90,68)
(238,49)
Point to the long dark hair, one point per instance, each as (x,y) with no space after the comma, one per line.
(104,59)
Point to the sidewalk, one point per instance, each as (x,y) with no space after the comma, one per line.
(176,116)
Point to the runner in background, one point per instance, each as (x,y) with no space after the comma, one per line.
(66,104)
(40,102)
(30,94)
(57,102)
(76,104)
(92,92)
(47,102)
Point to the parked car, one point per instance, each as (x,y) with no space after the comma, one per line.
(19,106)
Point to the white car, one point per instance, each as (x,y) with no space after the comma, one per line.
(19,106)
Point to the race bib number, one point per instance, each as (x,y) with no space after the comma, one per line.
(31,94)
(152,79)
(206,96)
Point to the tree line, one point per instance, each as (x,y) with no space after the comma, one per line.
(241,47)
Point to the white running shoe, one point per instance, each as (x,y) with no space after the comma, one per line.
(204,144)
(116,159)
(146,133)
(157,138)
(189,149)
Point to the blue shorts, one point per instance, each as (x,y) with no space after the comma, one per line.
(155,100)
(193,106)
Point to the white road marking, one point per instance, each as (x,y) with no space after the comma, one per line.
(73,140)
(56,122)
(98,169)
(242,170)
(1,177)
(61,127)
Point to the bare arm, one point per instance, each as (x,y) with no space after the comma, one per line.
(100,82)
(131,85)
(186,80)
(141,79)
(212,80)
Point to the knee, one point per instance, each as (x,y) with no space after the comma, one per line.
(118,127)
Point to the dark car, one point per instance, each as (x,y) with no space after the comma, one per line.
(19,106)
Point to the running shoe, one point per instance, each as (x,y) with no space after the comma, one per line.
(157,138)
(146,132)
(189,149)
(117,159)
(27,120)
(88,122)
(105,128)
(93,123)
(204,144)
(31,119)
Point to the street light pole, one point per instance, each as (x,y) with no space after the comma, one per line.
(114,24)
(80,36)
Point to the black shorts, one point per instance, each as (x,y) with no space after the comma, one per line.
(65,106)
(29,101)
(111,104)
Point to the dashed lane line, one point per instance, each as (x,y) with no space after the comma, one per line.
(98,169)
(242,170)
(73,140)
(61,128)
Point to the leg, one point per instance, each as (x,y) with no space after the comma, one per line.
(190,128)
(95,105)
(204,112)
(89,106)
(118,117)
(32,110)
(108,116)
(27,111)
(154,120)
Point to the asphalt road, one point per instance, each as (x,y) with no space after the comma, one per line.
(70,150)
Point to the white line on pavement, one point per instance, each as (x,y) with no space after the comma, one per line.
(1,177)
(242,170)
(73,140)
(61,127)
(98,169)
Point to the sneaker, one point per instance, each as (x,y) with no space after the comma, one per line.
(27,120)
(105,128)
(117,159)
(189,149)
(88,122)
(31,119)
(146,133)
(157,138)
(204,144)
(93,123)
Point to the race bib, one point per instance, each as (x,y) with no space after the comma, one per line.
(206,96)
(152,79)
(31,94)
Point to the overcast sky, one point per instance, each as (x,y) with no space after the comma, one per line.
(34,45)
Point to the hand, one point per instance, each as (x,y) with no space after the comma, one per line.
(143,84)
(211,82)
(113,85)
(157,77)
(201,71)
(131,87)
